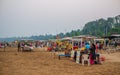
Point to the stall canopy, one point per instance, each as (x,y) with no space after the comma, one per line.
(113,36)
(66,39)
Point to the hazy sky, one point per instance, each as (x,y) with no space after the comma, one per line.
(36,17)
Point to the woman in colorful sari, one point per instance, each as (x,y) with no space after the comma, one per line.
(92,54)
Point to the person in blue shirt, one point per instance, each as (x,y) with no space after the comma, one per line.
(87,47)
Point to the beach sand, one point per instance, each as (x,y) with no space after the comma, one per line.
(41,62)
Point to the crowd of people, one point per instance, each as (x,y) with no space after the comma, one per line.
(22,46)
(66,46)
(91,50)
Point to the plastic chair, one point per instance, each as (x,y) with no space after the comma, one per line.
(85,57)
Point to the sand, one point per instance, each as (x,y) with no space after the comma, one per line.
(41,62)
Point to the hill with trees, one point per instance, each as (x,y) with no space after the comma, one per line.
(103,27)
(99,28)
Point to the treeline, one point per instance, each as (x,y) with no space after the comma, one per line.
(103,27)
(60,35)
(100,27)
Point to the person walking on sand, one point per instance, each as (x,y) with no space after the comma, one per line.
(19,46)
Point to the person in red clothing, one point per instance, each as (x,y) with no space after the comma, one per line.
(92,54)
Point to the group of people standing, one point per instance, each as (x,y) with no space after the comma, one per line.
(92,50)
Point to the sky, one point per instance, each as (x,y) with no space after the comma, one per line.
(39,17)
